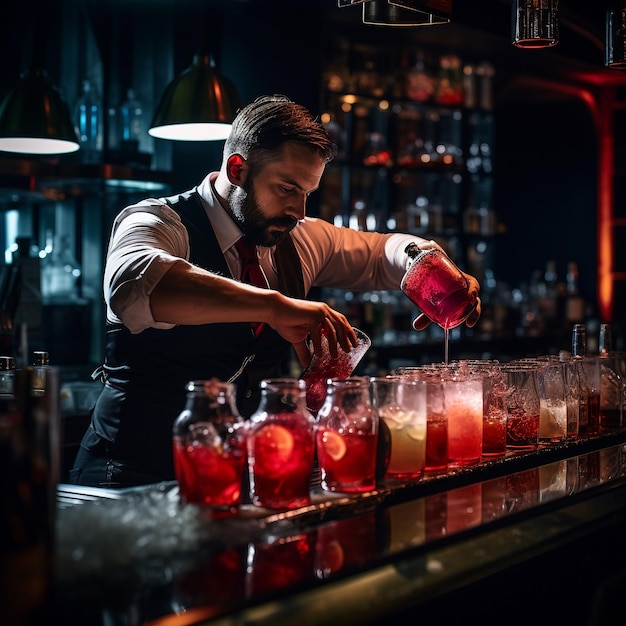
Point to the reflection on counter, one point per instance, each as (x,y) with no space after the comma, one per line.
(144,542)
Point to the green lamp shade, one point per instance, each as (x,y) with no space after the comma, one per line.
(198,105)
(34,118)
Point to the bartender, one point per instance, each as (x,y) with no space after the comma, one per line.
(178,303)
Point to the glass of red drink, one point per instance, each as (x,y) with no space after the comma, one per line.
(347,436)
(281,445)
(209,446)
(437,286)
(321,368)
(463,407)
(494,407)
(280,563)
(344,544)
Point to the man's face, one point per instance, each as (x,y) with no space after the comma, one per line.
(271,203)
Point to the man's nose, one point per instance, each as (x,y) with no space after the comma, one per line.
(297,209)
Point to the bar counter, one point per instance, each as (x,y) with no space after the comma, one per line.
(530,536)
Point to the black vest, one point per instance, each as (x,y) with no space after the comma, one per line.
(146,373)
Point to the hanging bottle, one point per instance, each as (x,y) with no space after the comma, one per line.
(281,445)
(209,446)
(88,120)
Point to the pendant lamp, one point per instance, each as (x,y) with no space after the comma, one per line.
(199,105)
(34,118)
(399,13)
(403,12)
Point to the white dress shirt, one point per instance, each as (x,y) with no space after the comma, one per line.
(148,237)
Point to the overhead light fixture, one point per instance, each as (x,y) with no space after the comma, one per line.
(34,118)
(615,42)
(199,105)
(535,24)
(403,12)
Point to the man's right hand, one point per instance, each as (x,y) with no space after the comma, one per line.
(296,319)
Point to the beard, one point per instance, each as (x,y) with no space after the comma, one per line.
(249,217)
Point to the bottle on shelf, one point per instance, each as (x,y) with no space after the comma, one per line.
(574,303)
(420,83)
(7,376)
(88,121)
(449,89)
(485,72)
(41,365)
(470,89)
(28,319)
(59,270)
(131,118)
(29,457)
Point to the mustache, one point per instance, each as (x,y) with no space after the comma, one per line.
(287,222)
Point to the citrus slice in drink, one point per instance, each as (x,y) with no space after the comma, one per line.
(332,557)
(274,440)
(334,445)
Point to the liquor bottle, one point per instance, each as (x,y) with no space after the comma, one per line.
(41,365)
(59,270)
(420,83)
(88,121)
(579,341)
(29,457)
(449,90)
(605,344)
(131,117)
(437,286)
(28,320)
(7,376)
(579,352)
(574,303)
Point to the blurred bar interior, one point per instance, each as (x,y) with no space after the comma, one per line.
(495,127)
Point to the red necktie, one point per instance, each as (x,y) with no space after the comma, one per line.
(251,272)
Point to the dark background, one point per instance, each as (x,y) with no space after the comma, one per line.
(546,142)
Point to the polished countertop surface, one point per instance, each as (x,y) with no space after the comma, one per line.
(141,556)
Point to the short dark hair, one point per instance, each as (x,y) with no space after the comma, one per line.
(263,126)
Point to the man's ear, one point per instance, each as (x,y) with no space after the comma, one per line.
(236,169)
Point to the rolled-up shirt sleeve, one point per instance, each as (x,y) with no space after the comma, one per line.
(146,240)
(347,259)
